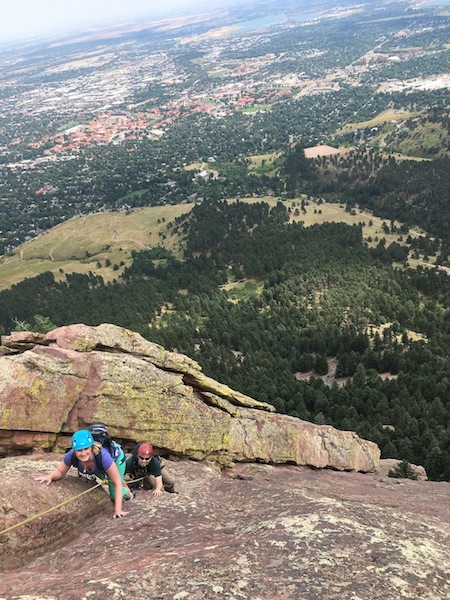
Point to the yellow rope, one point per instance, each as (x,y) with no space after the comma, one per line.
(49,510)
(132,481)
(101,483)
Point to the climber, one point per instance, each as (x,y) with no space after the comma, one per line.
(143,463)
(91,459)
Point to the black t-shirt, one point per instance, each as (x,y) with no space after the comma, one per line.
(153,467)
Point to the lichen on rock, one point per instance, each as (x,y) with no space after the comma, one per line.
(73,376)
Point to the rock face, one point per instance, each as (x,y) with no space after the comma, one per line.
(54,384)
(238,528)
(252,532)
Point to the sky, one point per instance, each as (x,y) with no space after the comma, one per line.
(21,19)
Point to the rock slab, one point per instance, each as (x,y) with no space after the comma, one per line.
(255,531)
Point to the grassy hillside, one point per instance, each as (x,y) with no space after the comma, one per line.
(85,243)
(403,134)
(101,243)
(384,117)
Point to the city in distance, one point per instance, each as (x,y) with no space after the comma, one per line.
(111,119)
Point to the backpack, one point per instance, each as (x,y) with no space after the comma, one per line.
(101,435)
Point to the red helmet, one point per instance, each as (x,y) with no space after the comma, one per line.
(145,450)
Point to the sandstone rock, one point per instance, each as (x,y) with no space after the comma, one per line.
(22,498)
(391,464)
(261,532)
(24,339)
(78,375)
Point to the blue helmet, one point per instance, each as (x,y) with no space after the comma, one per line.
(82,439)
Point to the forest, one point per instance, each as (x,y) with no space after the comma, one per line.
(321,321)
(309,319)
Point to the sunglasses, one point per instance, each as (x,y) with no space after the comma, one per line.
(146,458)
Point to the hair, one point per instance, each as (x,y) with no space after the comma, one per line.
(97,448)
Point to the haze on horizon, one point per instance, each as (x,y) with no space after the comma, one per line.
(21,19)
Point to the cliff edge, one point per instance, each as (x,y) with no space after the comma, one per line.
(53,384)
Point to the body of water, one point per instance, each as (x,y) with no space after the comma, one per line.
(267,21)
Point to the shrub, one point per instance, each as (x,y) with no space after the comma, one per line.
(403,471)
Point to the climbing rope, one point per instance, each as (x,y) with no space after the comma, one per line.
(45,512)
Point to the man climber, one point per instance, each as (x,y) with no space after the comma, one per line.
(143,463)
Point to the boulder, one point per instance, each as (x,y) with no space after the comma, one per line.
(55,384)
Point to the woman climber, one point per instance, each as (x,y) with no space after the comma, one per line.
(90,458)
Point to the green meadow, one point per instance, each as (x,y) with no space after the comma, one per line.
(102,243)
